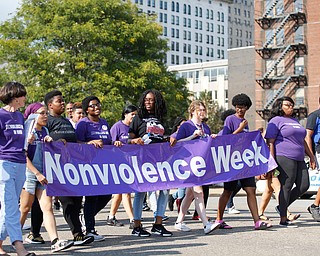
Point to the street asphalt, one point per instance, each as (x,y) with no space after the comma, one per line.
(241,240)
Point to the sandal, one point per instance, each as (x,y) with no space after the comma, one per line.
(261,225)
(263,217)
(223,225)
(295,217)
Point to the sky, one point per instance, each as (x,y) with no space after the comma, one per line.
(7,7)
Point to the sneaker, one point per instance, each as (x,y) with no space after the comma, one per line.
(96,236)
(170,202)
(181,226)
(261,225)
(195,217)
(139,231)
(233,210)
(210,227)
(31,239)
(165,217)
(315,213)
(160,230)
(61,245)
(81,239)
(114,222)
(309,209)
(26,227)
(145,208)
(287,224)
(223,224)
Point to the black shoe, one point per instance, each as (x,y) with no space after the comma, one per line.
(170,202)
(114,222)
(139,231)
(160,230)
(145,208)
(81,239)
(34,239)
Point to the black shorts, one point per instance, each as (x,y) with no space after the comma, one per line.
(247,182)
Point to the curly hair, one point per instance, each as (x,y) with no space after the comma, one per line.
(242,100)
(160,107)
(277,107)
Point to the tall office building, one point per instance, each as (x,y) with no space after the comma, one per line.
(197,30)
(287,38)
(240,23)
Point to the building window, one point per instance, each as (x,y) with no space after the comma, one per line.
(172,59)
(222,29)
(208,39)
(165,31)
(218,17)
(196,11)
(184,35)
(207,25)
(218,53)
(200,25)
(200,12)
(196,24)
(184,22)
(185,48)
(172,32)
(172,45)
(160,16)
(177,20)
(211,39)
(165,17)
(208,14)
(189,48)
(222,41)
(189,9)
(153,3)
(161,4)
(218,44)
(172,6)
(177,33)
(196,37)
(177,59)
(218,29)
(177,47)
(222,17)
(189,35)
(177,7)
(230,31)
(200,50)
(149,3)
(200,38)
(211,14)
(184,9)
(189,23)
(212,26)
(172,19)
(165,5)
(184,60)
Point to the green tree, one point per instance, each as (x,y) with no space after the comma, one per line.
(88,47)
(213,111)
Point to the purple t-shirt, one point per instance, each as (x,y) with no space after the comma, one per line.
(12,136)
(87,130)
(289,137)
(231,124)
(188,128)
(120,132)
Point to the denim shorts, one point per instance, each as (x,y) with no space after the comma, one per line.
(32,184)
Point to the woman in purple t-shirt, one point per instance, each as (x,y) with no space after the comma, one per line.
(285,132)
(12,164)
(95,131)
(194,128)
(120,135)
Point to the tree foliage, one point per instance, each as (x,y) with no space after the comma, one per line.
(88,47)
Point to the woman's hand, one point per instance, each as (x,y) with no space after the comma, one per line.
(118,143)
(47,139)
(137,141)
(213,135)
(313,164)
(31,138)
(173,141)
(96,143)
(41,178)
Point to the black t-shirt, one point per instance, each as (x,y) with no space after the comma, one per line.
(313,123)
(61,128)
(148,125)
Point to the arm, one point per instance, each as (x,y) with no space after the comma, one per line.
(310,154)
(133,140)
(242,125)
(308,138)
(270,143)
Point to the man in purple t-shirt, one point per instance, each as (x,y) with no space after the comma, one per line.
(235,124)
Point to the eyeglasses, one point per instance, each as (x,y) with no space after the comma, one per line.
(289,105)
(43,113)
(98,105)
(148,100)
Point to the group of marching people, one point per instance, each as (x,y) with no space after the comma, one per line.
(23,184)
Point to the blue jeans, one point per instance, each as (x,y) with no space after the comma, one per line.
(179,194)
(161,203)
(12,177)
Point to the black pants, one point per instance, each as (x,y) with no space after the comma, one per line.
(71,206)
(36,218)
(291,172)
(92,206)
(205,189)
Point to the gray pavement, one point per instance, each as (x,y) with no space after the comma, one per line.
(241,240)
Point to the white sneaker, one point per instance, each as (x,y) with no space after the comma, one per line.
(210,227)
(96,236)
(181,226)
(233,210)
(61,245)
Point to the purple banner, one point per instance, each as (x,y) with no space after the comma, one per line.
(80,169)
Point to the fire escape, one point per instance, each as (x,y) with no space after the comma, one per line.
(281,46)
